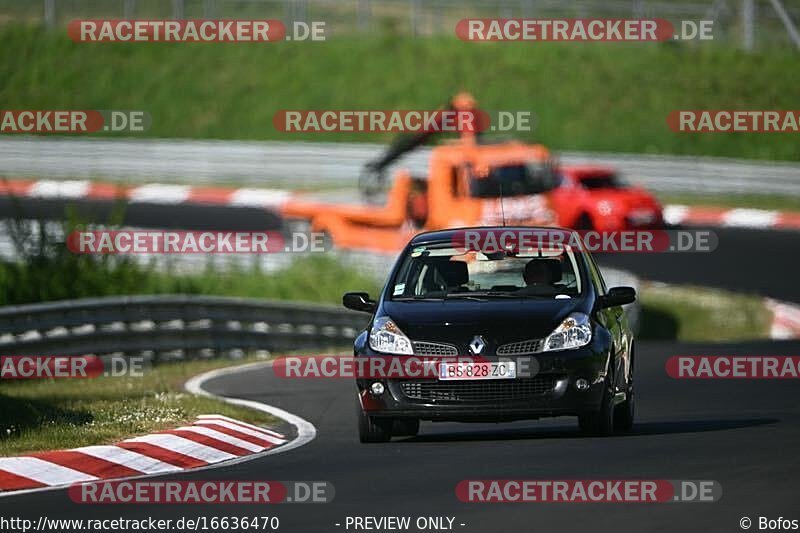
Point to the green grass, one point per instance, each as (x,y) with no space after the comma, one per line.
(757,201)
(54,414)
(699,314)
(67,413)
(319,278)
(314,279)
(585,96)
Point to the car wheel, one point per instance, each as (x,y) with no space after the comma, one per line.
(600,423)
(372,429)
(624,413)
(405,427)
(584,223)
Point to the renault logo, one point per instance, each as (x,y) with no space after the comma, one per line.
(477,345)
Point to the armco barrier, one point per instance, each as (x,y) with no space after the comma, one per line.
(172,326)
(292,164)
(184,326)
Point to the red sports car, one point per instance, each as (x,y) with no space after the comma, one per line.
(594,197)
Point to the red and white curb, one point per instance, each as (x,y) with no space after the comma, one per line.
(212,441)
(785,320)
(150,193)
(172,194)
(733,218)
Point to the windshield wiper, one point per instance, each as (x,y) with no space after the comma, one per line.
(502,294)
(465,296)
(508,294)
(416,298)
(481,296)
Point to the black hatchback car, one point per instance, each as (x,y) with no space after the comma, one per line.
(545,336)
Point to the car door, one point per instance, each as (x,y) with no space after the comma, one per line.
(613,318)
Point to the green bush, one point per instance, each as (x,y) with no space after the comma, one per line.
(46,270)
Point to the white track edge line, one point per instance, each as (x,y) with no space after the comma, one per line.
(306,432)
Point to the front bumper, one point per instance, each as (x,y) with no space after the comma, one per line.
(549,390)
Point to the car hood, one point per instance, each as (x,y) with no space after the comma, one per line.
(458,321)
(629,198)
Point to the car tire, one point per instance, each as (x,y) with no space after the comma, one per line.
(372,429)
(600,423)
(625,412)
(584,223)
(405,427)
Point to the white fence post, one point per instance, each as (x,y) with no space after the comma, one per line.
(364,15)
(128,9)
(209,9)
(177,9)
(50,13)
(787,21)
(414,17)
(748,24)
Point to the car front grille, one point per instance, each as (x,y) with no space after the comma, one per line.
(521,348)
(435,349)
(497,390)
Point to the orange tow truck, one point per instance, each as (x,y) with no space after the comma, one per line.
(466,181)
(469,183)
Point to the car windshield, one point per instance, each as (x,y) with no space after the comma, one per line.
(441,271)
(513,180)
(607,181)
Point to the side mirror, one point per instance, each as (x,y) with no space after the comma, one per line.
(359,301)
(617,296)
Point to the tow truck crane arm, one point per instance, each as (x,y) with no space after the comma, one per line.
(372,179)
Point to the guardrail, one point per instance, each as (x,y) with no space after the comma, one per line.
(172,326)
(180,326)
(187,326)
(292,164)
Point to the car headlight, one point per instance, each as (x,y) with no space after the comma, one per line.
(575,331)
(386,337)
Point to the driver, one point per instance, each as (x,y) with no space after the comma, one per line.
(537,272)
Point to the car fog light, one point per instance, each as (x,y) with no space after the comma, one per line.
(377,388)
(582,384)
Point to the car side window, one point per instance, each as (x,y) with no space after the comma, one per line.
(543,176)
(455,179)
(595,274)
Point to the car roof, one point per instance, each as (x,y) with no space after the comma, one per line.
(587,172)
(449,234)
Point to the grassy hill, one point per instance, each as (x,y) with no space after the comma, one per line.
(598,96)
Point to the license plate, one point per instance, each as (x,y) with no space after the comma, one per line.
(466,371)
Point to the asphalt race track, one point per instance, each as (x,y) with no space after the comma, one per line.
(748,261)
(745,434)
